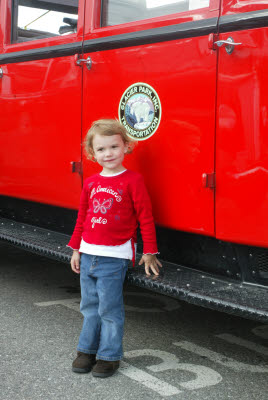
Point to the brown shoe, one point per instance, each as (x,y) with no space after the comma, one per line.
(103,368)
(83,362)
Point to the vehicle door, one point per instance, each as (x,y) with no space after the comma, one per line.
(40,98)
(242,108)
(151,64)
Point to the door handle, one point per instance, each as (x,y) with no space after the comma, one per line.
(1,72)
(229,44)
(87,61)
(76,166)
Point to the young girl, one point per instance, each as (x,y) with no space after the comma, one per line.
(111,205)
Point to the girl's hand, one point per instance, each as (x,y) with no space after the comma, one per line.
(152,262)
(75,262)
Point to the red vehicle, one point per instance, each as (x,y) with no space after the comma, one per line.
(188,79)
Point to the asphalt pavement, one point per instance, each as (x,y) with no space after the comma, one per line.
(173,350)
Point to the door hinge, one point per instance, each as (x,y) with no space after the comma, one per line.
(209,180)
(212,38)
(77,167)
(81,61)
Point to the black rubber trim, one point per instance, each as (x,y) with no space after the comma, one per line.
(243,21)
(42,53)
(166,33)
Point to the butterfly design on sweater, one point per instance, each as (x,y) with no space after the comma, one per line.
(102,207)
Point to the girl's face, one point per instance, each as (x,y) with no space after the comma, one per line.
(109,152)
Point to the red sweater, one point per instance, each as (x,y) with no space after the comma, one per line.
(111,208)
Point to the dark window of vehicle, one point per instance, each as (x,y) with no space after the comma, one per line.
(34,19)
(116,12)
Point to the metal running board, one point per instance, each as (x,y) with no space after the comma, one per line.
(177,281)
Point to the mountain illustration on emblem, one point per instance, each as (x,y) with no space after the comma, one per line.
(139,111)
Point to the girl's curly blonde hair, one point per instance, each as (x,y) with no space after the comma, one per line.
(106,127)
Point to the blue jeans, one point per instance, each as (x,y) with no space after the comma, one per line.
(101,280)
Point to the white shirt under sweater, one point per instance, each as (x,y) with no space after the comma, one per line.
(122,251)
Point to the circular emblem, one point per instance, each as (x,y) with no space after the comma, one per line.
(140,111)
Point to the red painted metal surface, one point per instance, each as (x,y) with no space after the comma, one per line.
(242,6)
(172,161)
(1,27)
(242,142)
(40,106)
(41,127)
(5,18)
